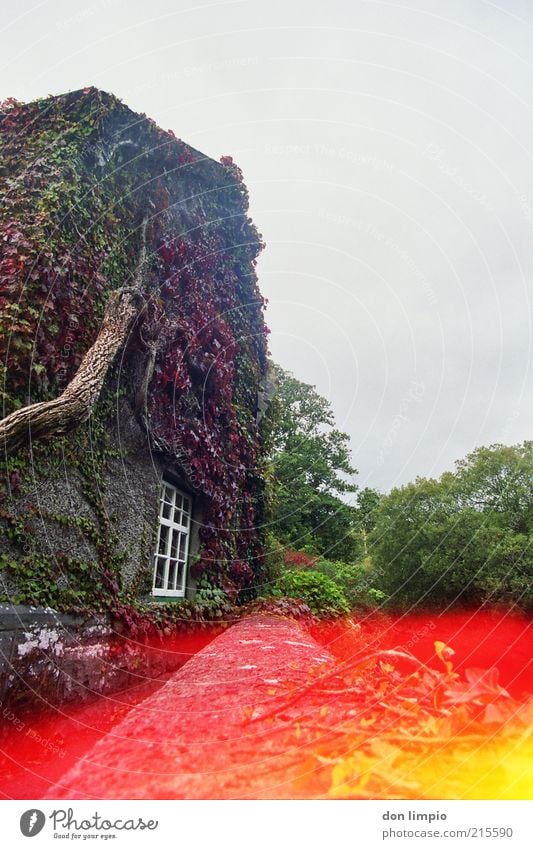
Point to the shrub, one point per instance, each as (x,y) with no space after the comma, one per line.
(356,582)
(300,559)
(323,596)
(282,606)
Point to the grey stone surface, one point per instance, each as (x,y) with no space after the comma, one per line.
(50,657)
(6,644)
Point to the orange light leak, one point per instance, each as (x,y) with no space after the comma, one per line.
(479,638)
(483,749)
(416,710)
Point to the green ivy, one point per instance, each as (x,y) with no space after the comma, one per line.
(78,182)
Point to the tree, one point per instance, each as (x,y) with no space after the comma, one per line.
(311,472)
(499,479)
(367,503)
(461,539)
(46,419)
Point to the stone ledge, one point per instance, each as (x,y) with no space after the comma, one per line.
(193,739)
(16,617)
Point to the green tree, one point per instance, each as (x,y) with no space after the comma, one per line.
(462,539)
(367,503)
(499,479)
(312,471)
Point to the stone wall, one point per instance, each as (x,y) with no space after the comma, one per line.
(212,746)
(48,658)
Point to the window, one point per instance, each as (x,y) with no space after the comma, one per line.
(170,559)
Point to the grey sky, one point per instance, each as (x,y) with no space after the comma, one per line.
(388,150)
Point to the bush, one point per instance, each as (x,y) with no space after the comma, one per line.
(323,596)
(291,608)
(356,582)
(439,543)
(274,558)
(300,559)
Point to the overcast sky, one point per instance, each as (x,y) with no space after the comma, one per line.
(388,150)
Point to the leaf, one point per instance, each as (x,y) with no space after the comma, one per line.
(487,678)
(444,653)
(494,714)
(481,686)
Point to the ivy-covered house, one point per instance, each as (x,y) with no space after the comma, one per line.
(133,363)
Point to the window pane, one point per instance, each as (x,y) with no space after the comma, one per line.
(174,544)
(170,560)
(159,573)
(172,575)
(163,539)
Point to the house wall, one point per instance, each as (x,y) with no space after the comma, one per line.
(82,176)
(52,656)
(124,504)
(49,658)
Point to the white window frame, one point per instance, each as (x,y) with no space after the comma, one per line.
(172,547)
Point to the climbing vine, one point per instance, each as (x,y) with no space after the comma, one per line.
(79,174)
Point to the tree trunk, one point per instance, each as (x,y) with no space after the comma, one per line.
(55,418)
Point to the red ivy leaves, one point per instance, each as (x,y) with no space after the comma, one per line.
(54,283)
(192,398)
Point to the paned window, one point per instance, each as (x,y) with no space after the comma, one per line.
(170,559)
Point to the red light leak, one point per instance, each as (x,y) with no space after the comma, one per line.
(37,748)
(480,638)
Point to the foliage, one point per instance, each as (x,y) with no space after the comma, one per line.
(462,539)
(212,600)
(286,606)
(77,182)
(300,559)
(497,480)
(355,581)
(161,620)
(311,469)
(321,594)
(419,741)
(368,501)
(383,724)
(55,578)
